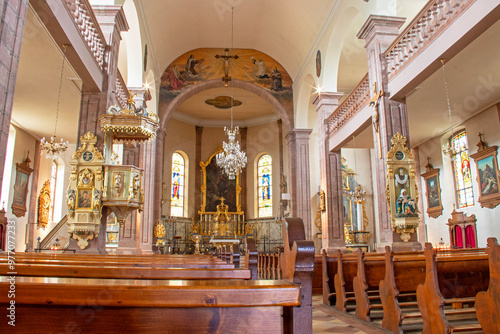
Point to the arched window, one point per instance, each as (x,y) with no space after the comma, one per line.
(461,165)
(264,188)
(177,198)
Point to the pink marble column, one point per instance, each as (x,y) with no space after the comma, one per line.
(33,200)
(299,176)
(147,217)
(12,18)
(379,32)
(332,222)
(197,176)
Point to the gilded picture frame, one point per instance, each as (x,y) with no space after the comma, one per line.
(433,193)
(23,172)
(488,176)
(208,205)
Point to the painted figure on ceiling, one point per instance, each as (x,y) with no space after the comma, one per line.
(191,65)
(277,84)
(260,68)
(175,81)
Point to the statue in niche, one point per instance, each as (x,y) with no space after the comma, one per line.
(405,205)
(401,179)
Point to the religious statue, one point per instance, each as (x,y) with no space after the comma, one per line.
(405,205)
(97,199)
(117,184)
(374,102)
(70,200)
(401,179)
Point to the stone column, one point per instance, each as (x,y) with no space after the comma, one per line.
(112,22)
(33,200)
(147,217)
(299,181)
(283,189)
(332,222)
(379,32)
(12,18)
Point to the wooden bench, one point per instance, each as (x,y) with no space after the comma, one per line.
(488,302)
(452,279)
(89,305)
(139,306)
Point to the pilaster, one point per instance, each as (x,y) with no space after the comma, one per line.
(332,223)
(300,185)
(12,19)
(197,176)
(379,32)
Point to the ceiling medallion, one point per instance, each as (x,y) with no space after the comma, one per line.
(223,102)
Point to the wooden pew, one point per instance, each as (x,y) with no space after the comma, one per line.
(297,263)
(329,270)
(181,306)
(251,257)
(451,279)
(488,302)
(139,306)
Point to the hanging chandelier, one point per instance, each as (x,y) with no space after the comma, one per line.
(447,149)
(53,148)
(231,159)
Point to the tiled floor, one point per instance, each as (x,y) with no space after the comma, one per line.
(325,321)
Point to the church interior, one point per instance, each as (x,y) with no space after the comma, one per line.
(324,144)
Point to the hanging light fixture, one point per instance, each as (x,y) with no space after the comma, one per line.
(53,148)
(231,159)
(447,149)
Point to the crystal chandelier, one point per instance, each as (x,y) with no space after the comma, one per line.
(53,148)
(447,149)
(231,159)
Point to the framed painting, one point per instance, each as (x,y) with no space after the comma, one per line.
(216,185)
(23,172)
(433,192)
(487,176)
(84,198)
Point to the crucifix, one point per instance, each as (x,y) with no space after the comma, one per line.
(374,102)
(226,58)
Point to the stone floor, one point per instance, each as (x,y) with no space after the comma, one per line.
(328,320)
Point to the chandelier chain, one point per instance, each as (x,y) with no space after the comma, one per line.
(447,94)
(65,47)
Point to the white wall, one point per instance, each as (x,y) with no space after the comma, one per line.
(486,122)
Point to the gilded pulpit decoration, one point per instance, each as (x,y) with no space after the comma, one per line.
(488,175)
(84,193)
(23,172)
(131,125)
(159,233)
(122,190)
(401,192)
(44,205)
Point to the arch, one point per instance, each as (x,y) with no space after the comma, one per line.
(303,102)
(133,46)
(333,49)
(215,83)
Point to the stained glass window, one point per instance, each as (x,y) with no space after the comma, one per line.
(461,164)
(264,188)
(177,198)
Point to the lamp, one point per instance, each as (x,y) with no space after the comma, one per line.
(447,149)
(53,147)
(231,159)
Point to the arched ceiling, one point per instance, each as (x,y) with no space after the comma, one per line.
(284,29)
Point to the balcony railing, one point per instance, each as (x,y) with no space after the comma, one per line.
(425,27)
(86,22)
(121,91)
(356,101)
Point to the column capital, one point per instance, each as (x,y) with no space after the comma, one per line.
(327,98)
(111,15)
(298,134)
(142,95)
(380,25)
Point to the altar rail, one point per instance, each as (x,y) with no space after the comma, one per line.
(355,102)
(427,25)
